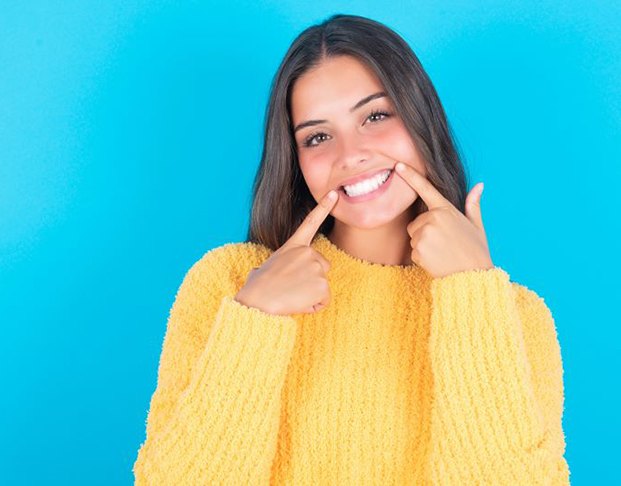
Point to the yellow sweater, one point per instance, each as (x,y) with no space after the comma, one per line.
(402,379)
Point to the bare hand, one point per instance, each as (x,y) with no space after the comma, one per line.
(443,240)
(293,279)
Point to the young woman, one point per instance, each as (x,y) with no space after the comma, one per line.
(364,338)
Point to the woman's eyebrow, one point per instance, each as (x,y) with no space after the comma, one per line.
(363,101)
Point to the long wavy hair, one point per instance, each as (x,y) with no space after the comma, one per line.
(280,197)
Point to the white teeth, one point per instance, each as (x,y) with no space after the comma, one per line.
(367,186)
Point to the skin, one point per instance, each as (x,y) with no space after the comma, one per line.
(351,144)
(293,279)
(348,143)
(433,233)
(384,230)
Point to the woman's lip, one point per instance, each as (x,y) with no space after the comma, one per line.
(363,177)
(371,195)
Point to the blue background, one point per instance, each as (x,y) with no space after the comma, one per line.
(130,132)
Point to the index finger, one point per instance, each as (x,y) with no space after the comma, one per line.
(306,231)
(425,189)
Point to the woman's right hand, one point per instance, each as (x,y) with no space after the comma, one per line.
(293,279)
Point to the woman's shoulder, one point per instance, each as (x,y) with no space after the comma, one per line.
(538,321)
(529,299)
(229,263)
(235,253)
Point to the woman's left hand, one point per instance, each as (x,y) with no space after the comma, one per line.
(443,240)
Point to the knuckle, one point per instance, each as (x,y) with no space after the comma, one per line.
(318,265)
(308,252)
(311,218)
(318,307)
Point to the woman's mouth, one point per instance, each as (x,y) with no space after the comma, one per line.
(367,190)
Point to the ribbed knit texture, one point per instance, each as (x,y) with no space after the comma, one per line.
(402,379)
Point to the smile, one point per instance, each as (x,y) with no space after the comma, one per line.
(368,189)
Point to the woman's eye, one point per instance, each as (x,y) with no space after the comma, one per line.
(379,113)
(308,141)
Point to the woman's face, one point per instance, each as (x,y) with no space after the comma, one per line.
(345,142)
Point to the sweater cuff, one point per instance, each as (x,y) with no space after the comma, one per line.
(242,328)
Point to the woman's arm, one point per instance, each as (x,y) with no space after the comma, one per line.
(214,416)
(498,387)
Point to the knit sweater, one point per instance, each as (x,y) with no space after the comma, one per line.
(402,379)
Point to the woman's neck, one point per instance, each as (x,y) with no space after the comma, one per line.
(387,245)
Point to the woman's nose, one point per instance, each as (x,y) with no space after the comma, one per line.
(353,149)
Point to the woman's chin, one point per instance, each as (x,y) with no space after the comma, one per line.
(366,220)
(367,217)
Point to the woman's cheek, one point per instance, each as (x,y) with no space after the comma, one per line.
(316,176)
(398,144)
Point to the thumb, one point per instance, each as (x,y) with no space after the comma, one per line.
(473,206)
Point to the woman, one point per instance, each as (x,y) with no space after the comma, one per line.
(366,338)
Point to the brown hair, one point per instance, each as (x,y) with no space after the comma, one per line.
(281,199)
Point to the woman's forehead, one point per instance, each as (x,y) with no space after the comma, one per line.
(336,84)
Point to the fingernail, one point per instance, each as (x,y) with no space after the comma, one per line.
(400,166)
(332,195)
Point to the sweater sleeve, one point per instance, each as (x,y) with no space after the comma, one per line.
(215,413)
(498,397)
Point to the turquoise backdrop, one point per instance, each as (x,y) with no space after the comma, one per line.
(130,132)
